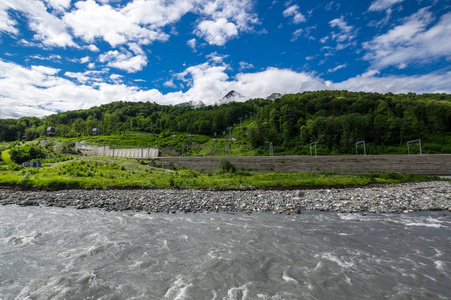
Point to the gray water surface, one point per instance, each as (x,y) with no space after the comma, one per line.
(53,253)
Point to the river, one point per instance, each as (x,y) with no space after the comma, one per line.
(55,253)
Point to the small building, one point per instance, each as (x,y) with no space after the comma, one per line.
(51,130)
(95,131)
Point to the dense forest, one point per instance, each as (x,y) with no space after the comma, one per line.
(334,119)
(117,117)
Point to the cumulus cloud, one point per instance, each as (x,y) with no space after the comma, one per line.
(412,41)
(139,21)
(93,48)
(170,83)
(39,91)
(85,59)
(124,60)
(223,19)
(217,32)
(237,11)
(293,11)
(192,44)
(91,20)
(157,13)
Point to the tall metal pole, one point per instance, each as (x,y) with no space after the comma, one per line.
(230,131)
(311,144)
(364,147)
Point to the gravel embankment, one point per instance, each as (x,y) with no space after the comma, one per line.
(425,196)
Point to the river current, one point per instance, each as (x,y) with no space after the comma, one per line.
(54,253)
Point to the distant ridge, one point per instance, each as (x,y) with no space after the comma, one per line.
(193,104)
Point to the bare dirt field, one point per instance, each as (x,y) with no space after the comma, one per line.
(426,164)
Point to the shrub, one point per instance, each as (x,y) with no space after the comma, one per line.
(225,166)
(25,153)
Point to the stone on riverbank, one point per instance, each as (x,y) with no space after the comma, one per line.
(424,196)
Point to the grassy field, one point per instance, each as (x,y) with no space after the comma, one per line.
(110,173)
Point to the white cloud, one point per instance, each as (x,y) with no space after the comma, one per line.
(48,28)
(216,58)
(345,36)
(411,41)
(170,83)
(60,5)
(79,76)
(337,68)
(297,34)
(192,43)
(142,21)
(6,23)
(293,11)
(226,18)
(157,13)
(262,84)
(124,60)
(217,32)
(93,48)
(116,78)
(437,82)
(91,20)
(382,5)
(86,77)
(331,5)
(52,57)
(139,21)
(237,11)
(85,59)
(245,65)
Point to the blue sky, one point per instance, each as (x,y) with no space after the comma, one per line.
(59,55)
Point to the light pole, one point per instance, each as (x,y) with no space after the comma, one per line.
(313,144)
(364,147)
(230,131)
(240,118)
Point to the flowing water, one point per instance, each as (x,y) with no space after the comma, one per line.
(54,253)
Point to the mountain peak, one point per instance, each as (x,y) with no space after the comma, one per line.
(274,96)
(231,97)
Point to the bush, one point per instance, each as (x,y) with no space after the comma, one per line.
(225,166)
(25,153)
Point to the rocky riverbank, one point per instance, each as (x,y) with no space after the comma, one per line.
(402,198)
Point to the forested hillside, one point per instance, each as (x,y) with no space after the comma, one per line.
(338,119)
(117,117)
(334,119)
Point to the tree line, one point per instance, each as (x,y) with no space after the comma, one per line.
(334,119)
(119,117)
